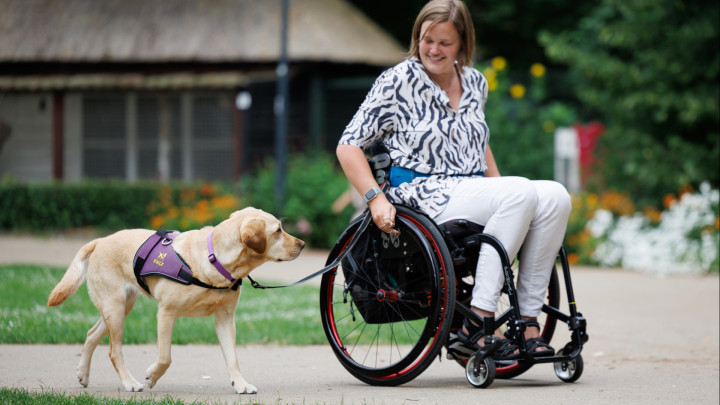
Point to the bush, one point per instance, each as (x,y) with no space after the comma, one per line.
(522,120)
(313,183)
(57,206)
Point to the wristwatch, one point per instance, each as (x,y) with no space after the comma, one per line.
(370,195)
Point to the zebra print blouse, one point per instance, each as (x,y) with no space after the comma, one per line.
(413,117)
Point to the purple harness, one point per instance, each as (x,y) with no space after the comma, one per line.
(156,257)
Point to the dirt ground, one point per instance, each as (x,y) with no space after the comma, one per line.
(652,340)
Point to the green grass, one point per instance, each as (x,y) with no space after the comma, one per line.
(288,316)
(17,396)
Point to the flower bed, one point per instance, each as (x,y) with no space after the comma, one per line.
(683,238)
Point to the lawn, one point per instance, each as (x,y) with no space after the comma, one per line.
(283,316)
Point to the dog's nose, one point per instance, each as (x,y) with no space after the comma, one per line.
(301,243)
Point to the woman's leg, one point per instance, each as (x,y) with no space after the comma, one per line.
(541,246)
(505,206)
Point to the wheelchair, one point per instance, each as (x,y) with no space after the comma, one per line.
(393,301)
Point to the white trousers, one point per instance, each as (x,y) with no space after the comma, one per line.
(519,213)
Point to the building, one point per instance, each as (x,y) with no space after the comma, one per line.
(174,89)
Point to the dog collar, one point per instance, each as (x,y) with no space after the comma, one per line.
(215,261)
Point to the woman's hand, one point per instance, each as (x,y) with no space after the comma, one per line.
(383,214)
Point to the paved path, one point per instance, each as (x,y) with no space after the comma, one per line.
(652,340)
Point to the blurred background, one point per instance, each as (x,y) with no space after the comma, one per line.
(132,113)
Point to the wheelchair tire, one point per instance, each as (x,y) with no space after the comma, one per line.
(392,352)
(507,370)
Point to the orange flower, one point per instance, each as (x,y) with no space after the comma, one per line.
(207,190)
(685,190)
(573,258)
(669,200)
(156,222)
(652,214)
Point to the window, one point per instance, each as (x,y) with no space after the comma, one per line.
(147,135)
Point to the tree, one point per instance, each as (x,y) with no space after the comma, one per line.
(649,69)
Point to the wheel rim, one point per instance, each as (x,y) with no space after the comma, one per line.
(476,375)
(393,349)
(565,370)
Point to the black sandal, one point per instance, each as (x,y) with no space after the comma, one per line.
(535,343)
(504,352)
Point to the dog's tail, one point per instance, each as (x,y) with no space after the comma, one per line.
(74,276)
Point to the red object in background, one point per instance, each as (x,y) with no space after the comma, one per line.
(587,139)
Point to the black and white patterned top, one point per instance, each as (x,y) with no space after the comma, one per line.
(413,117)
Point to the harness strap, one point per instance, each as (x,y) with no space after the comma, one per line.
(142,255)
(184,275)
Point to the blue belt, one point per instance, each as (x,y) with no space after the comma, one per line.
(400,175)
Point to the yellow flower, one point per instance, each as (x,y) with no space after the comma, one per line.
(492,84)
(499,63)
(517,91)
(490,74)
(548,126)
(537,70)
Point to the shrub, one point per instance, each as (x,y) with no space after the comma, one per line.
(522,120)
(56,206)
(313,183)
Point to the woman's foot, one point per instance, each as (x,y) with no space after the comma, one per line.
(473,335)
(534,343)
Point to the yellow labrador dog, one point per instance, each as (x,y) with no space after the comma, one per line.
(247,239)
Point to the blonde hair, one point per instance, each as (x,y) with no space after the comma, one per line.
(440,11)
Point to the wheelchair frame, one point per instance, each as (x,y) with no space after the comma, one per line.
(406,361)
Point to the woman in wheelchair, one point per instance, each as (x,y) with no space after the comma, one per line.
(429,112)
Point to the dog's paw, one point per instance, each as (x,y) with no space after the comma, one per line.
(83,377)
(134,387)
(244,387)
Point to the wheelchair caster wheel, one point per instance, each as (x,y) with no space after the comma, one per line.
(569,371)
(482,374)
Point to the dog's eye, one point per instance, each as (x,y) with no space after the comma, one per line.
(279,230)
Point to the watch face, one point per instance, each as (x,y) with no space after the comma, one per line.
(371,194)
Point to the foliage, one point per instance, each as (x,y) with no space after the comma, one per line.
(313,183)
(522,120)
(52,206)
(502,27)
(650,70)
(113,205)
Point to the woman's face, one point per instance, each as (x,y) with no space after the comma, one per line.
(439,47)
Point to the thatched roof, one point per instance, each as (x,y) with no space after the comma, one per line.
(150,31)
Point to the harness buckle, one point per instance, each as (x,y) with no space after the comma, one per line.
(212,258)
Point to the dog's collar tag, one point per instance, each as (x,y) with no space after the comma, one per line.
(215,262)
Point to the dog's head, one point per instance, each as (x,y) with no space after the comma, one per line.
(263,235)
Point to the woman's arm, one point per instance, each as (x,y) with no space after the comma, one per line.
(492,170)
(356,168)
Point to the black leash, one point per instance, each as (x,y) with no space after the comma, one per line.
(334,264)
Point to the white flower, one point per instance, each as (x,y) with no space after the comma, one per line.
(631,242)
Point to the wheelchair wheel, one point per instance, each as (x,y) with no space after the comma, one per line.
(482,374)
(510,369)
(569,371)
(387,309)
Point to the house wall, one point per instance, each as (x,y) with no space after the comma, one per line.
(27,154)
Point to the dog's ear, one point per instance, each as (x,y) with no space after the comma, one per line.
(252,234)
